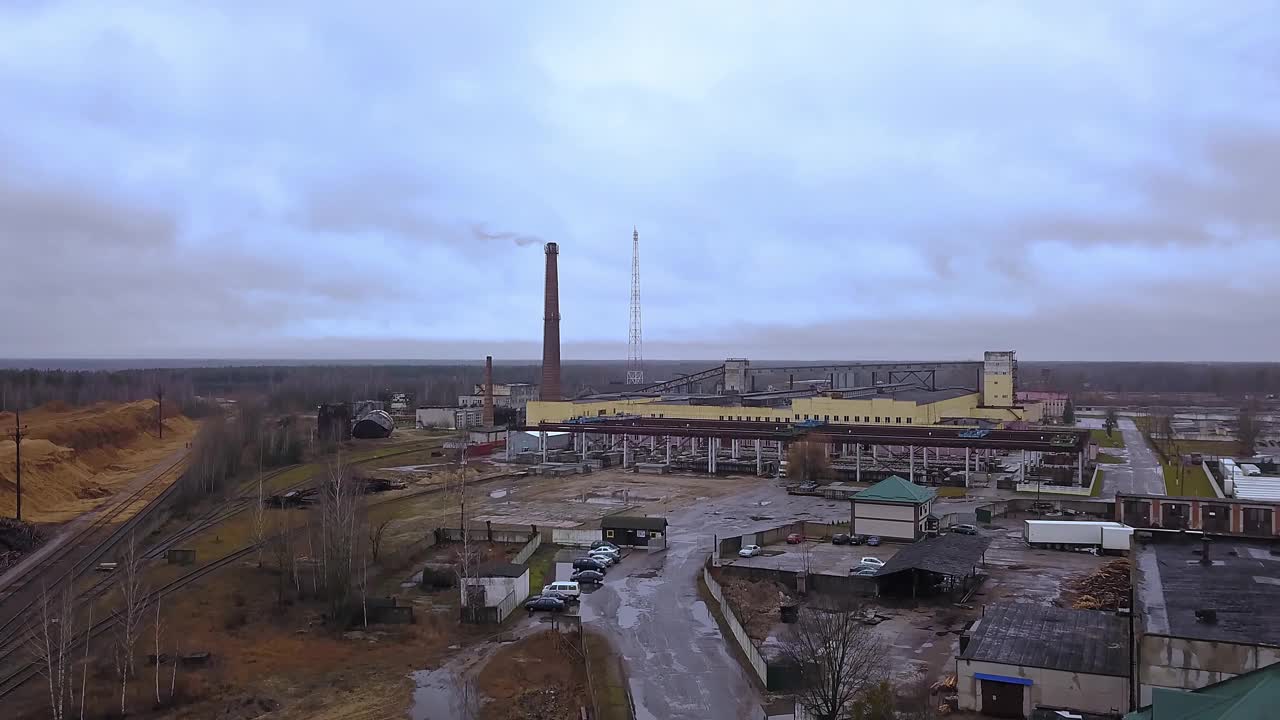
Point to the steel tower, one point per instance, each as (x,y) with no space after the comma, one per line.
(635,354)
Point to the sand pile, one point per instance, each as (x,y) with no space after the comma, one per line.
(74,457)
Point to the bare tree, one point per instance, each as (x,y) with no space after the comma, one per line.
(838,658)
(84,669)
(1111,422)
(259,512)
(128,616)
(341,534)
(808,462)
(376,534)
(157,647)
(51,642)
(280,546)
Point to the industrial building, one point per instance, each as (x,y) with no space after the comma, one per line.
(505,395)
(1019,656)
(448,417)
(907,396)
(893,509)
(1251,696)
(1205,610)
(1218,516)
(1052,404)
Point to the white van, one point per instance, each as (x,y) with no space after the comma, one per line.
(566,587)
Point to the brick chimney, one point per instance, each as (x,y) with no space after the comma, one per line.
(488,391)
(550,389)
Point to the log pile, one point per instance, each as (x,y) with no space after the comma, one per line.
(1107,588)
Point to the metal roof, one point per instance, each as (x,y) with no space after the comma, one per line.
(1257,487)
(501,569)
(1036,635)
(895,489)
(950,554)
(1249,696)
(632,522)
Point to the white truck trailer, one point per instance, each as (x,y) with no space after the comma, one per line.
(1070,535)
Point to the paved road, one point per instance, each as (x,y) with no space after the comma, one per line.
(677,662)
(1141,472)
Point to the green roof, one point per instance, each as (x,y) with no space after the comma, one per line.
(895,489)
(1250,696)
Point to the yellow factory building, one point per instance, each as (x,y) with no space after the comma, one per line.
(995,402)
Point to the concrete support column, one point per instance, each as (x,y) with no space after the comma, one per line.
(626,451)
(583,443)
(735,448)
(759,459)
(542,442)
(874,459)
(711,456)
(653,443)
(966,467)
(911,463)
(1024,466)
(926,460)
(668,449)
(857,463)
(1080,470)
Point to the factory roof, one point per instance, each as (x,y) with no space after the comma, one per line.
(632,522)
(1044,636)
(1243,697)
(922,395)
(895,489)
(501,569)
(1235,598)
(950,554)
(1258,487)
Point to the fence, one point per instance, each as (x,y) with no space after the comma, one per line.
(1213,481)
(735,628)
(492,614)
(522,557)
(571,537)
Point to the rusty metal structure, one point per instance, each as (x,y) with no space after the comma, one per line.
(488,391)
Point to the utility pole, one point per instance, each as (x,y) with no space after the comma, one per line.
(17,446)
(160,411)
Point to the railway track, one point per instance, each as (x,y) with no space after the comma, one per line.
(11,631)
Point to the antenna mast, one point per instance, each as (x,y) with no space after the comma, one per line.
(635,355)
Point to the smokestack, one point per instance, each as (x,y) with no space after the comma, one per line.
(550,389)
(488,391)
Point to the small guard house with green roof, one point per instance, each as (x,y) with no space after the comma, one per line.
(893,509)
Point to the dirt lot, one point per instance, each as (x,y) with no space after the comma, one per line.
(74,458)
(539,676)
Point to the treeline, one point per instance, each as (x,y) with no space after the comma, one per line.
(1228,380)
(225,448)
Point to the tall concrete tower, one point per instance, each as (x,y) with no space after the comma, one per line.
(635,350)
(550,389)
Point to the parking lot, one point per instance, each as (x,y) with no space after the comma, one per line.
(821,558)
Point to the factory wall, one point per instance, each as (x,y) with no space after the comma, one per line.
(1186,664)
(864,411)
(1103,694)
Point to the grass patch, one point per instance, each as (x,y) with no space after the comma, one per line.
(1109,459)
(1116,440)
(1194,482)
(607,678)
(1096,490)
(542,567)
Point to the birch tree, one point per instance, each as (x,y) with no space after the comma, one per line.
(51,643)
(129,615)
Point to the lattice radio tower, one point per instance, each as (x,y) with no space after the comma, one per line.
(635,354)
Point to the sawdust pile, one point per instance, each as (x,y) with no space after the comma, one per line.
(74,457)
(757,603)
(1107,588)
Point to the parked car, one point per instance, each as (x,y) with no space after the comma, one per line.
(841,539)
(873,540)
(749,551)
(964,529)
(857,539)
(588,576)
(864,571)
(543,602)
(562,587)
(586,563)
(795,539)
(565,598)
(604,544)
(871,562)
(612,554)
(603,557)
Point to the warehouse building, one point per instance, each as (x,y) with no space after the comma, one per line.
(1204,611)
(1020,656)
(448,417)
(505,395)
(893,509)
(909,401)
(524,441)
(1053,404)
(1251,696)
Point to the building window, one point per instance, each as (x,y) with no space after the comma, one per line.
(797,416)
(721,417)
(806,416)
(877,418)
(898,420)
(846,418)
(608,533)
(826,418)
(908,421)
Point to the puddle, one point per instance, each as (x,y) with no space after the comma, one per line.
(439,696)
(499,493)
(603,501)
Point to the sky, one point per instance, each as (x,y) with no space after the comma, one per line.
(916,180)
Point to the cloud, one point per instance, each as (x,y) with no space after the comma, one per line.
(480,233)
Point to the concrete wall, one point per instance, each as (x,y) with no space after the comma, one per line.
(892,529)
(497,588)
(1055,688)
(1190,664)
(754,660)
(519,441)
(532,546)
(572,537)
(875,511)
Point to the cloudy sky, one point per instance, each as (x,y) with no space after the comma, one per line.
(810,180)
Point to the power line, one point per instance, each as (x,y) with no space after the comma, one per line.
(18,434)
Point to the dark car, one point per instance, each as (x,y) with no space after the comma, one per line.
(964,529)
(589,564)
(587,576)
(840,539)
(565,598)
(543,602)
(857,539)
(873,540)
